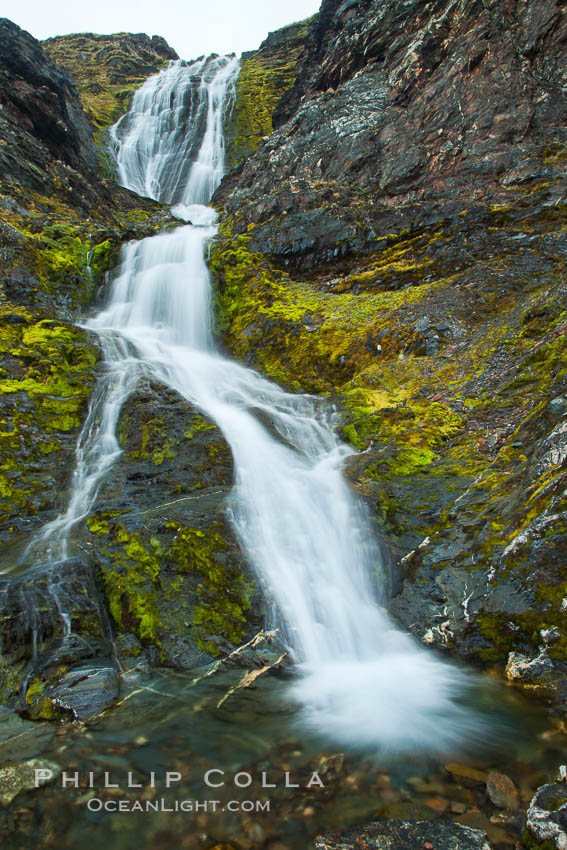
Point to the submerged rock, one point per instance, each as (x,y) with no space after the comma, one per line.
(21,738)
(411,835)
(502,791)
(25,777)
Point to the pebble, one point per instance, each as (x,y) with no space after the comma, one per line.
(438,804)
(468,776)
(502,791)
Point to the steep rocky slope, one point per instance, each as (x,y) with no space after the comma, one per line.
(398,243)
(265,76)
(61,225)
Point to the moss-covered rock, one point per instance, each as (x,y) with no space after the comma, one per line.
(172,571)
(265,75)
(47,370)
(452,380)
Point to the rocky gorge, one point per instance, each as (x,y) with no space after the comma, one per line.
(392,237)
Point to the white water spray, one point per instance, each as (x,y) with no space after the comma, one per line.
(362,681)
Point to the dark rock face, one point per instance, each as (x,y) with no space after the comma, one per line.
(55,633)
(403,114)
(42,116)
(172,571)
(411,835)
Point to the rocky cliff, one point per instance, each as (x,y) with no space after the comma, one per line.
(265,76)
(398,243)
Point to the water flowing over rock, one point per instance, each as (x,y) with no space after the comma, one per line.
(397,242)
(54,619)
(391,238)
(183,109)
(310,543)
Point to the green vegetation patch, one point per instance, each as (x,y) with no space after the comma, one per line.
(265,76)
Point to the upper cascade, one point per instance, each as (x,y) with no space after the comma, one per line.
(170,145)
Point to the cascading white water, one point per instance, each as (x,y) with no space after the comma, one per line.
(180,109)
(362,681)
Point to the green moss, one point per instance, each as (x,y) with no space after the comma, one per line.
(222,594)
(96,62)
(101,257)
(39,706)
(264,78)
(55,367)
(187,582)
(97,526)
(198,424)
(530,843)
(35,689)
(300,335)
(148,444)
(132,584)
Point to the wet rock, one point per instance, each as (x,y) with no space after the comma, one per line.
(546,823)
(558,405)
(502,791)
(20,738)
(86,692)
(177,587)
(470,777)
(25,777)
(54,619)
(411,835)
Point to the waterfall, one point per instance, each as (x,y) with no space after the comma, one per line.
(360,680)
(180,109)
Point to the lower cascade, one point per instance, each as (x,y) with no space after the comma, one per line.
(361,682)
